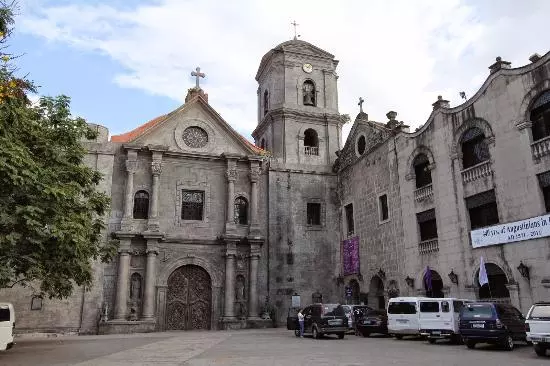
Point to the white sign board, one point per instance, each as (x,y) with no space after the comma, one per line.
(295,301)
(533,228)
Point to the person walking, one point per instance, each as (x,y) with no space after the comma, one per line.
(301,322)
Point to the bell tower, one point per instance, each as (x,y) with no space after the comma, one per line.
(298,119)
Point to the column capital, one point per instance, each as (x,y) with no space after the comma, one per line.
(255,174)
(156,167)
(153,251)
(231,175)
(131,166)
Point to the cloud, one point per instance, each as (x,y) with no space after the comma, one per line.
(398,55)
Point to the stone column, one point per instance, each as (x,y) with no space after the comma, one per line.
(253,281)
(156,169)
(150,278)
(131,168)
(231,253)
(122,279)
(254,178)
(231,175)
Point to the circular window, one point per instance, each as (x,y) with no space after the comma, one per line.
(361,144)
(195,137)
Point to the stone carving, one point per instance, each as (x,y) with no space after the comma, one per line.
(135,287)
(240,288)
(231,174)
(255,174)
(156,167)
(131,166)
(133,312)
(195,137)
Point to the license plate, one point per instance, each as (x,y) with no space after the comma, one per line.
(436,332)
(478,325)
(335,322)
(402,320)
(367,322)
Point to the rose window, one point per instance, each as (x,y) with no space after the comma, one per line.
(195,137)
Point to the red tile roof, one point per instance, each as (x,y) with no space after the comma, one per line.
(135,133)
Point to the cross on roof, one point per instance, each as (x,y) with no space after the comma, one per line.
(295,25)
(360,104)
(198,74)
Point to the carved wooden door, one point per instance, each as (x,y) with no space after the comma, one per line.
(189,299)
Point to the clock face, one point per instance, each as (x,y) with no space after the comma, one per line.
(307,68)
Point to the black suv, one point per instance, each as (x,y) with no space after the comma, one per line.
(485,322)
(372,321)
(321,319)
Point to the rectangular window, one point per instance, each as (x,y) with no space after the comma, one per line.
(427,224)
(313,213)
(544,181)
(383,205)
(192,206)
(482,209)
(349,219)
(429,307)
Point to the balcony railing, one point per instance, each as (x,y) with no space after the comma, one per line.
(423,192)
(477,172)
(428,246)
(311,150)
(541,147)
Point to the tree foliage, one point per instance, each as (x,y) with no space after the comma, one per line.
(51,213)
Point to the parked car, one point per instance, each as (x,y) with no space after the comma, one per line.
(403,316)
(373,321)
(322,319)
(483,322)
(439,318)
(353,312)
(538,327)
(7,323)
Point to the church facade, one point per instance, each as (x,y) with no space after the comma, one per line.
(216,232)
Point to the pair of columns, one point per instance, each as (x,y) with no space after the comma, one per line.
(254,257)
(232,176)
(123,275)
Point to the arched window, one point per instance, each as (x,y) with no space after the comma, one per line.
(474,148)
(496,289)
(421,171)
(262,144)
(308,90)
(266,102)
(311,142)
(540,116)
(141,205)
(241,211)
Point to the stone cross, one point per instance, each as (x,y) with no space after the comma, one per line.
(198,74)
(295,25)
(360,104)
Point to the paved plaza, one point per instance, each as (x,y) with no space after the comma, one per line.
(252,347)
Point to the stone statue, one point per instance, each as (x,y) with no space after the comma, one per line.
(135,288)
(240,288)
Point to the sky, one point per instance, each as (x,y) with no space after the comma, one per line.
(124,62)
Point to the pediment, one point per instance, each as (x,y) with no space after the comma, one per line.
(195,127)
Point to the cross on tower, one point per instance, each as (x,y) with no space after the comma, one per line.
(295,25)
(198,74)
(360,104)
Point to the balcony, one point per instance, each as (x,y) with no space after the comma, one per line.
(428,246)
(423,193)
(311,150)
(541,147)
(477,172)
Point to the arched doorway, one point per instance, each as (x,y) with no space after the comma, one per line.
(355,291)
(496,290)
(376,293)
(433,284)
(189,299)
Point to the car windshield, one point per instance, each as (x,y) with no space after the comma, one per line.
(477,312)
(329,308)
(4,314)
(540,312)
(402,308)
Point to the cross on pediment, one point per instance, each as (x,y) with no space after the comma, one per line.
(360,104)
(198,74)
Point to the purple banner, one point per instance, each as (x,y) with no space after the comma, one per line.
(350,251)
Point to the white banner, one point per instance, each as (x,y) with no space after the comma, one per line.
(533,228)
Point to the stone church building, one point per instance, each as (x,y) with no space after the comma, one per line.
(217,233)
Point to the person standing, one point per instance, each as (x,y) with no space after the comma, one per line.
(301,322)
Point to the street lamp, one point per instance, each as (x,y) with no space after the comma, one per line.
(453,277)
(523,270)
(410,281)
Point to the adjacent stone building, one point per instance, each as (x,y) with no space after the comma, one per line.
(216,232)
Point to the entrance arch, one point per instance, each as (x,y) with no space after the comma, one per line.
(496,290)
(188,299)
(376,293)
(435,288)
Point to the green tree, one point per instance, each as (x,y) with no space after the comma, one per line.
(51,213)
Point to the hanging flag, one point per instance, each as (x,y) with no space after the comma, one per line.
(482,277)
(428,278)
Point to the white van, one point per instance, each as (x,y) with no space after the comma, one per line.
(7,323)
(403,316)
(439,318)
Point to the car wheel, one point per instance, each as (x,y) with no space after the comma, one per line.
(431,340)
(398,336)
(341,335)
(540,350)
(508,343)
(470,344)
(315,333)
(297,332)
